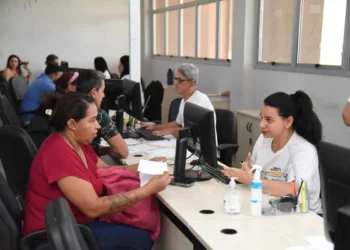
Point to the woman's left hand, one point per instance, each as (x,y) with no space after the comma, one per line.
(159,159)
(162,132)
(242,175)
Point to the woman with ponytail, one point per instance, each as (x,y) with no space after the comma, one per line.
(286,149)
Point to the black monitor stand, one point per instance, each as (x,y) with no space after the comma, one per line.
(201,175)
(119,120)
(180,161)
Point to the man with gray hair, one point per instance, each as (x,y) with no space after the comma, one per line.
(186,86)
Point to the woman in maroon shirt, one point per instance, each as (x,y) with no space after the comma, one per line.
(66,165)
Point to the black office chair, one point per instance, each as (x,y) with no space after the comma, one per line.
(335,189)
(11,218)
(17,152)
(17,87)
(4,88)
(226,129)
(155,93)
(174,109)
(7,112)
(62,230)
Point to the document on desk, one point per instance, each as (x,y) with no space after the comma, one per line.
(148,169)
(316,243)
(164,143)
(131,141)
(141,148)
(169,153)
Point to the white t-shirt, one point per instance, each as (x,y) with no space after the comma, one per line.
(142,96)
(199,99)
(107,75)
(297,160)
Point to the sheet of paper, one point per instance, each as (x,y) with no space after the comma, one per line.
(316,243)
(169,153)
(131,141)
(320,242)
(103,143)
(164,143)
(141,148)
(148,169)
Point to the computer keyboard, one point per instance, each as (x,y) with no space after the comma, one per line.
(217,174)
(148,135)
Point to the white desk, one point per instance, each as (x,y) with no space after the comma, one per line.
(181,208)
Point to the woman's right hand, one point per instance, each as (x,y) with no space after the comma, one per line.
(158,183)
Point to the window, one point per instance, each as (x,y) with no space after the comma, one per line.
(304,34)
(193,28)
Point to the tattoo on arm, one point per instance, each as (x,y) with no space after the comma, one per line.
(121,201)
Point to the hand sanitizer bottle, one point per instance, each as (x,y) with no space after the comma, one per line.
(232,199)
(256,192)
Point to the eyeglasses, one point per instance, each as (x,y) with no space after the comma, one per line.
(179,80)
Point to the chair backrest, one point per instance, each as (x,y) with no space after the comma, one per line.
(4,88)
(226,126)
(17,152)
(18,87)
(7,112)
(9,234)
(154,91)
(11,202)
(62,230)
(335,182)
(174,109)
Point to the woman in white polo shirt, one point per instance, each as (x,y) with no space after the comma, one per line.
(286,149)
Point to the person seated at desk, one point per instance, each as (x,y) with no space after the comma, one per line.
(66,165)
(186,86)
(13,68)
(92,82)
(124,71)
(101,65)
(44,84)
(286,149)
(52,59)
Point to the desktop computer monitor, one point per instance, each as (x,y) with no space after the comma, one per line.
(133,103)
(64,66)
(335,192)
(113,89)
(202,142)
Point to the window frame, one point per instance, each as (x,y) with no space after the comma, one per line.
(294,66)
(193,59)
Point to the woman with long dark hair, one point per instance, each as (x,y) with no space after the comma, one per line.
(286,149)
(13,68)
(101,65)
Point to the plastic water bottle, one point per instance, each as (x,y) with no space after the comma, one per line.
(170,77)
(256,192)
(232,199)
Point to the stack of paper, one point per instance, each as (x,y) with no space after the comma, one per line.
(148,169)
(140,148)
(131,141)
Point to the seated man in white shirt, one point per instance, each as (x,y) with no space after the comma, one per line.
(185,83)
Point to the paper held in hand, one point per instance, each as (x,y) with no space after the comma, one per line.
(148,169)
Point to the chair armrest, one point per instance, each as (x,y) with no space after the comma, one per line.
(227,146)
(27,240)
(88,237)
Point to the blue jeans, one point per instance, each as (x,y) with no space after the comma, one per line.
(111,236)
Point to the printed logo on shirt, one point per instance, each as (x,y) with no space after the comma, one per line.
(274,174)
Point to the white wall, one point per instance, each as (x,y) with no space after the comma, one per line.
(249,86)
(75,30)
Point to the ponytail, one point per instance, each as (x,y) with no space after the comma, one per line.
(306,121)
(300,107)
